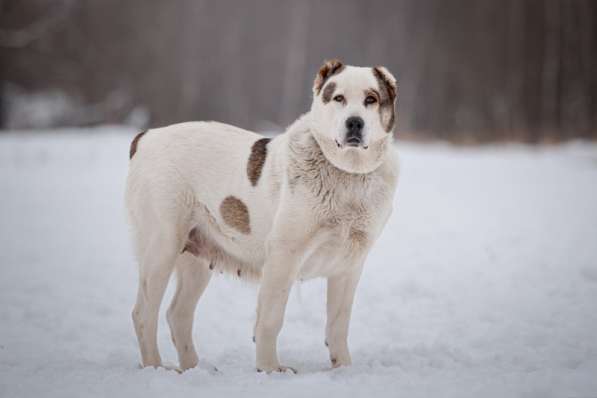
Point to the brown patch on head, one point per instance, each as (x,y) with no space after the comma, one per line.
(236,214)
(328,92)
(387,93)
(373,93)
(134,143)
(257,160)
(327,70)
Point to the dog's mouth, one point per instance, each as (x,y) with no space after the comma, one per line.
(352,142)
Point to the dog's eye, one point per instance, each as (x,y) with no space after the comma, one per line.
(370,100)
(339,98)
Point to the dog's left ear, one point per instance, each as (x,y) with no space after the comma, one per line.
(386,80)
(387,103)
(327,70)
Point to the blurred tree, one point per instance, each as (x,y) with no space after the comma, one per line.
(474,70)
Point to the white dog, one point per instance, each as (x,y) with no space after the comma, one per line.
(205,197)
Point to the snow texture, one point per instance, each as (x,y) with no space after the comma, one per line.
(484,283)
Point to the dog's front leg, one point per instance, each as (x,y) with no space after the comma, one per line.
(340,296)
(279,272)
(293,238)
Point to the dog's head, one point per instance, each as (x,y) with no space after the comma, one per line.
(352,114)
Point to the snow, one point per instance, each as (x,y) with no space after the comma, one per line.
(484,283)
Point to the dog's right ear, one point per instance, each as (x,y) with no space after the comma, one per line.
(327,70)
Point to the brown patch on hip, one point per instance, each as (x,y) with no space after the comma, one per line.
(236,214)
(135,143)
(257,160)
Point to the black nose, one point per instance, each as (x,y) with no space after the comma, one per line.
(354,125)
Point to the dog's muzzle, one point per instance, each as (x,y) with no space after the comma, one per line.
(354,132)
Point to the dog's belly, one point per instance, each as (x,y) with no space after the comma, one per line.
(244,255)
(226,249)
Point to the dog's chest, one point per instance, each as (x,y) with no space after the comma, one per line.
(346,218)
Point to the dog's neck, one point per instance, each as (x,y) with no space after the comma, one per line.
(308,165)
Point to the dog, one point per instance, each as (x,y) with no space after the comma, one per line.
(205,197)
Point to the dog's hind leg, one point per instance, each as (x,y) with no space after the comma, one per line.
(157,262)
(192,277)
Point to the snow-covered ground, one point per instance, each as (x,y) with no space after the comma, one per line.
(484,283)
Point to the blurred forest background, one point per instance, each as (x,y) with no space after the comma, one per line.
(468,70)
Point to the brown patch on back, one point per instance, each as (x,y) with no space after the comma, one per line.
(236,214)
(134,144)
(328,92)
(386,101)
(327,70)
(257,160)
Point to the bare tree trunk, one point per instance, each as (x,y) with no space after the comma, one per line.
(472,70)
(551,69)
(513,71)
(296,57)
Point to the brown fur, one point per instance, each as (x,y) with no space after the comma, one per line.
(328,92)
(135,143)
(257,160)
(329,69)
(386,100)
(194,244)
(236,214)
(374,93)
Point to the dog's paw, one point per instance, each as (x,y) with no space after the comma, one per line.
(278,369)
(337,363)
(168,367)
(172,367)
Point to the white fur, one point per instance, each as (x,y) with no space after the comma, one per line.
(310,216)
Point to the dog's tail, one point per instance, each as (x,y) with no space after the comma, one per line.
(135,143)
